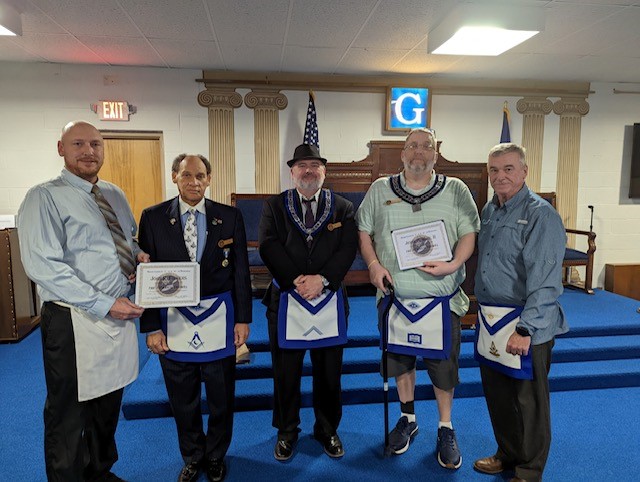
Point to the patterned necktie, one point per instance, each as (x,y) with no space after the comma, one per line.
(127,263)
(191,234)
(309,219)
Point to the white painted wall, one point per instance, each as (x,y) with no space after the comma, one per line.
(36,100)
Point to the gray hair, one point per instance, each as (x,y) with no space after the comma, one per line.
(508,147)
(175,167)
(426,130)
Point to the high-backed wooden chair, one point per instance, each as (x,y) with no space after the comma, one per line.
(574,257)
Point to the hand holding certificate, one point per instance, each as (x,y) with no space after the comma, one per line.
(161,285)
(417,244)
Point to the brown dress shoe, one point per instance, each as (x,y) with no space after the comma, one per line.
(489,465)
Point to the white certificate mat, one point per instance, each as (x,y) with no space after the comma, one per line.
(162,285)
(416,244)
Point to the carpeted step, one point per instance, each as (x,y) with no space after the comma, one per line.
(367,359)
(146,398)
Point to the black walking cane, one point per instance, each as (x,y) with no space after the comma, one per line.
(385,371)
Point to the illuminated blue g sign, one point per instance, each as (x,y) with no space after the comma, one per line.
(407,108)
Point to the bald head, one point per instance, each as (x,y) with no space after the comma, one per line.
(82,147)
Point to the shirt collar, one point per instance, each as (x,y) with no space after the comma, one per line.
(76,181)
(515,200)
(312,198)
(184,207)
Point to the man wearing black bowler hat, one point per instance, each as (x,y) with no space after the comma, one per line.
(308,240)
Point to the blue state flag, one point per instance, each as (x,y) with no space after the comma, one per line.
(505,135)
(311,125)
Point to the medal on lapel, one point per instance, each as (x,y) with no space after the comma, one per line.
(225,261)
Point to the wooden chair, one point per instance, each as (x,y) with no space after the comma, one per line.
(574,257)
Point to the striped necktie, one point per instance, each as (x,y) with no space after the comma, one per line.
(127,263)
(190,234)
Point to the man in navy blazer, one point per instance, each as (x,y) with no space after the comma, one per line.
(308,240)
(192,228)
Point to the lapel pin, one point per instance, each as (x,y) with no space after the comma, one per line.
(172,221)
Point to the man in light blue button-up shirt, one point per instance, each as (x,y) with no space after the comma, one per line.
(88,335)
(521,245)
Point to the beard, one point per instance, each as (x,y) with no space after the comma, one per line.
(309,183)
(418,166)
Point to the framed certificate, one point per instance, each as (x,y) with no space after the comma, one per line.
(161,285)
(417,244)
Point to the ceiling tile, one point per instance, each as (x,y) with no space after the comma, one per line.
(332,23)
(89,17)
(169,19)
(123,51)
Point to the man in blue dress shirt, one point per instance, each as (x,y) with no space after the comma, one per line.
(76,240)
(518,282)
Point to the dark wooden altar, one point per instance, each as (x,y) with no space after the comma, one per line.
(384,160)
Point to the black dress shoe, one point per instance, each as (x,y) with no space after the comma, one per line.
(190,472)
(284,449)
(333,446)
(216,470)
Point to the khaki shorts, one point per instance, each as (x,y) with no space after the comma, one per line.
(443,373)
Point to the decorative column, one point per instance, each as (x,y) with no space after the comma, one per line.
(570,111)
(266,127)
(534,109)
(221,102)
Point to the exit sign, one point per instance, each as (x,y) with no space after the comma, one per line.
(113,110)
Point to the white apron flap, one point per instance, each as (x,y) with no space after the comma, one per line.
(106,353)
(496,324)
(420,327)
(200,333)
(311,324)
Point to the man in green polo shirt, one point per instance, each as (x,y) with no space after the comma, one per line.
(414,197)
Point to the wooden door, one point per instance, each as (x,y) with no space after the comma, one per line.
(134,162)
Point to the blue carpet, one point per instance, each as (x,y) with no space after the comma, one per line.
(595,427)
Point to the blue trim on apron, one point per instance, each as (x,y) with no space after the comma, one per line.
(340,339)
(208,356)
(413,318)
(525,372)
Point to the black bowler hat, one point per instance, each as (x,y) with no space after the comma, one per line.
(306,151)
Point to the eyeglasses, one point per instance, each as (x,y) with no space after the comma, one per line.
(425,147)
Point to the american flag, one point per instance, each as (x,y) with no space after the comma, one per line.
(505,134)
(311,126)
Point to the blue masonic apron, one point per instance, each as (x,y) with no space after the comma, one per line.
(316,323)
(495,325)
(419,327)
(200,333)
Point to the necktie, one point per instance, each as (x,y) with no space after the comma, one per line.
(309,219)
(191,234)
(127,263)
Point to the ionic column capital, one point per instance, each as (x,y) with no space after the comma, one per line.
(266,99)
(534,105)
(568,106)
(220,98)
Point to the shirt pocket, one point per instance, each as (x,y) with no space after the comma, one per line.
(508,241)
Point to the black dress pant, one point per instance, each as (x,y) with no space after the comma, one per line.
(184,387)
(520,415)
(287,375)
(79,437)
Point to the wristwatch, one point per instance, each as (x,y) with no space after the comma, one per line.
(325,281)
(522,331)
